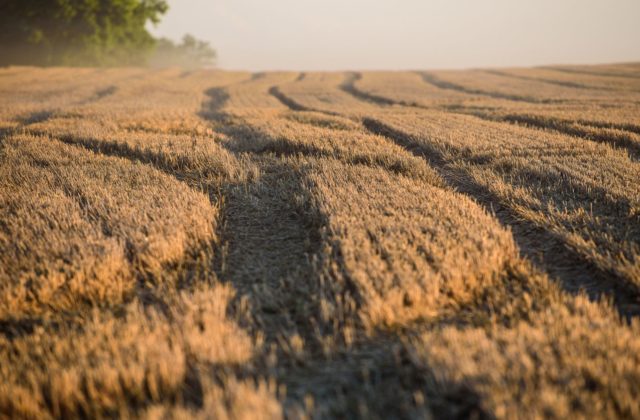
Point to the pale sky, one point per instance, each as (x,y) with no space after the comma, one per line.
(408,34)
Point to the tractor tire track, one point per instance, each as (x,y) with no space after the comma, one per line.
(572,85)
(272,242)
(545,249)
(623,140)
(272,233)
(338,378)
(349,87)
(288,102)
(276,256)
(594,73)
(443,84)
(627,141)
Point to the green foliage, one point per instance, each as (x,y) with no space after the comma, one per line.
(191,53)
(77,32)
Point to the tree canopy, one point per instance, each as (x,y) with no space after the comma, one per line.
(191,53)
(77,32)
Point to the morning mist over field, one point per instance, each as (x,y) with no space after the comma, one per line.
(408,34)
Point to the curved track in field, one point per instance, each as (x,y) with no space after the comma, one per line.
(300,244)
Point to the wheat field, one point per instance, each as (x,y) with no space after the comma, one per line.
(428,244)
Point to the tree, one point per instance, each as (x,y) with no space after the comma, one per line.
(191,53)
(77,32)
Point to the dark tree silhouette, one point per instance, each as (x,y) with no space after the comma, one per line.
(77,32)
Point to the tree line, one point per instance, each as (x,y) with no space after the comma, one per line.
(92,33)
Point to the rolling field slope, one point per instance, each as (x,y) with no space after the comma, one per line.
(433,244)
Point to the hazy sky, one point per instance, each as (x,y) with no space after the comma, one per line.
(408,34)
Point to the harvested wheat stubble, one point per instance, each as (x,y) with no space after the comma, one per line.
(422,274)
(34,94)
(81,228)
(413,89)
(624,70)
(409,88)
(154,362)
(197,159)
(616,399)
(525,90)
(616,124)
(322,144)
(577,80)
(582,191)
(394,237)
(572,360)
(370,310)
(290,146)
(162,103)
(347,245)
(609,133)
(117,365)
(317,92)
(302,134)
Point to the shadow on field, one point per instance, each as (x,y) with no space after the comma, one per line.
(274,245)
(536,244)
(17,327)
(443,84)
(617,135)
(613,135)
(37,117)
